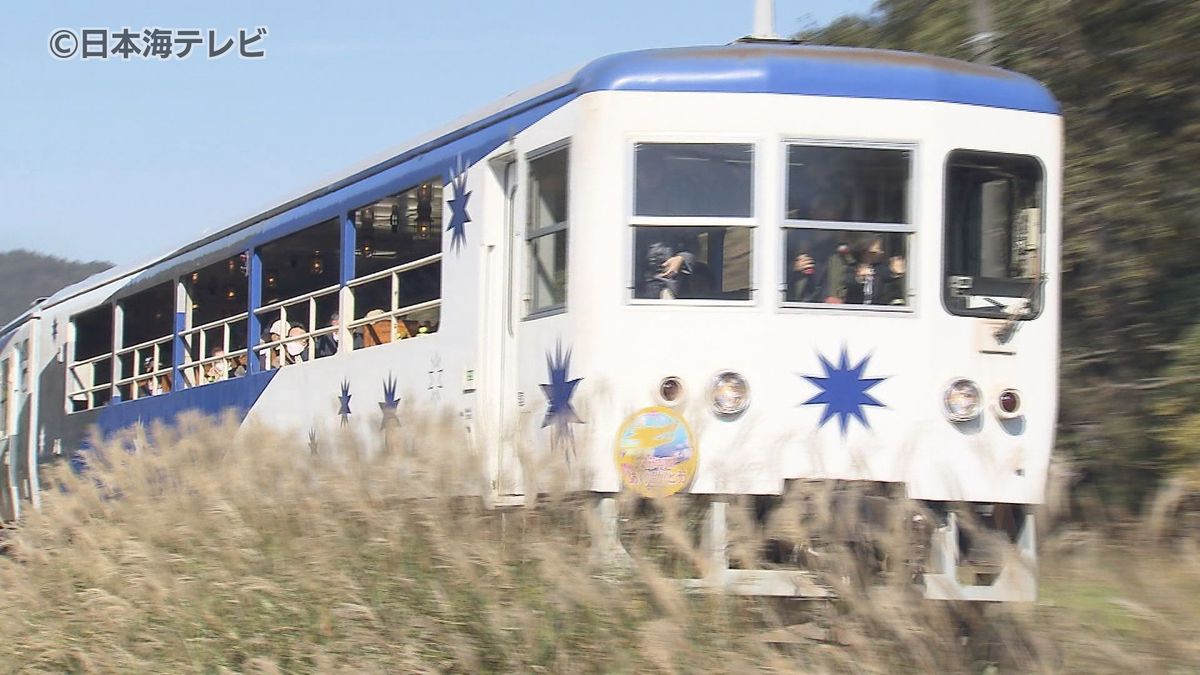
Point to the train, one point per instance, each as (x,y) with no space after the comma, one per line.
(707,271)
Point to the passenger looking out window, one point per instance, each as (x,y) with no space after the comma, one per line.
(847,225)
(847,267)
(693,221)
(292,350)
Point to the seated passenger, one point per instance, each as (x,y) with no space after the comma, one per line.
(876,282)
(807,280)
(893,287)
(295,349)
(327,344)
(153,385)
(665,263)
(839,273)
(274,356)
(217,370)
(378,331)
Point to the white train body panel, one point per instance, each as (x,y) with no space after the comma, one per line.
(623,347)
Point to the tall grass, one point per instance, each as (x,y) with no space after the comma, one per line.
(197,547)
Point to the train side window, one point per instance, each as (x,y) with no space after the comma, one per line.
(90,371)
(694,179)
(993,221)
(215,336)
(847,225)
(397,286)
(145,355)
(300,284)
(693,221)
(546,231)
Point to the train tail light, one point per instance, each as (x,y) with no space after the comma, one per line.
(1008,404)
(670,390)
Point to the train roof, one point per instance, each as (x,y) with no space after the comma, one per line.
(742,67)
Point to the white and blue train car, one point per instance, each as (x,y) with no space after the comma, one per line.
(705,270)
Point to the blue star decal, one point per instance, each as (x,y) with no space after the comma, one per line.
(457,227)
(844,391)
(559,412)
(344,401)
(387,407)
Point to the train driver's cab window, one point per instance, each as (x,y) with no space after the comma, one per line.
(300,287)
(397,286)
(993,235)
(214,338)
(847,226)
(90,371)
(693,221)
(546,232)
(147,341)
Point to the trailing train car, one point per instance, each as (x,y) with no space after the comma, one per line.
(708,270)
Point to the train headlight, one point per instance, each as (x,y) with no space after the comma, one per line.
(962,400)
(730,393)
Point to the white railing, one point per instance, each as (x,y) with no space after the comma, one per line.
(85,385)
(198,371)
(144,381)
(397,324)
(284,351)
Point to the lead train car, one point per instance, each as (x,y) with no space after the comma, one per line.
(710,270)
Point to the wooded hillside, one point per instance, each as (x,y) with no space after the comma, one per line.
(26,276)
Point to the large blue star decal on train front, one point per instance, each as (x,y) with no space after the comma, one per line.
(844,391)
(560,414)
(457,227)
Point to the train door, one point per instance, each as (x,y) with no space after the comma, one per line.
(8,440)
(502,331)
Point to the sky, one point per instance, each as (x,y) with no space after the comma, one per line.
(124,160)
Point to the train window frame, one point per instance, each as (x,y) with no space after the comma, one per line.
(228,331)
(994,286)
(144,368)
(273,353)
(535,232)
(75,386)
(751,223)
(906,229)
(377,326)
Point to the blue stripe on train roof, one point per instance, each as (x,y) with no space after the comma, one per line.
(781,68)
(816,71)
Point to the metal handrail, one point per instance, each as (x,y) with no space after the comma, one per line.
(91,360)
(149,343)
(398,269)
(299,298)
(428,304)
(200,365)
(214,324)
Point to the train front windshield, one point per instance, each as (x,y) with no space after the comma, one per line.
(994,232)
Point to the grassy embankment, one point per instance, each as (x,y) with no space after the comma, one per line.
(207,550)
